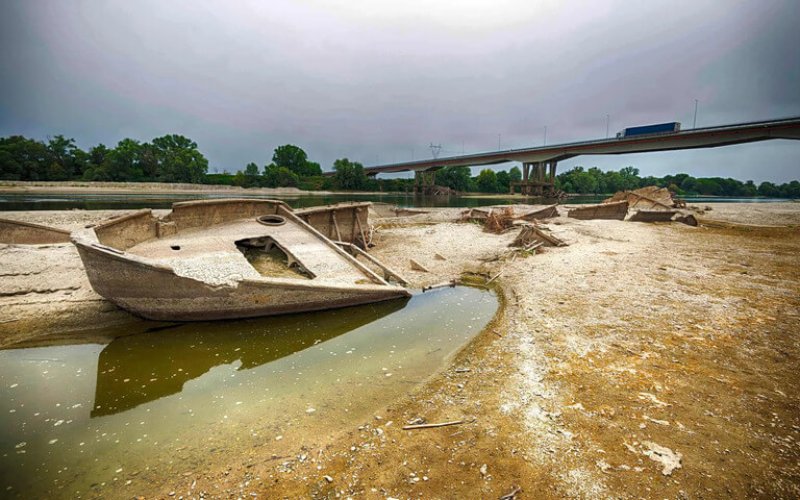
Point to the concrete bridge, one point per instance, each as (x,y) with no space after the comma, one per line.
(539,163)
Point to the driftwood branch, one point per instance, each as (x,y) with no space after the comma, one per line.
(511,495)
(431,426)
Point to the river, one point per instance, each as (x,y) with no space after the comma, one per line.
(119,412)
(106,201)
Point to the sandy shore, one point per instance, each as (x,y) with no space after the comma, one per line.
(642,360)
(77,187)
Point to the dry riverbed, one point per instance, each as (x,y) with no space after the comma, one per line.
(642,360)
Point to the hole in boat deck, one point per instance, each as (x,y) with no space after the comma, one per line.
(272,220)
(270,260)
(159,399)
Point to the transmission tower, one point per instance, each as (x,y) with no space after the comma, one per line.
(435,150)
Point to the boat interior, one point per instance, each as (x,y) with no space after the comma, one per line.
(218,241)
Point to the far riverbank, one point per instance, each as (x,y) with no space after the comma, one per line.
(16,196)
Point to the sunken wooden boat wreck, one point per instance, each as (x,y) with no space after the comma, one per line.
(222,259)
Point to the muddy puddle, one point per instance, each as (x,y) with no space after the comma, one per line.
(134,414)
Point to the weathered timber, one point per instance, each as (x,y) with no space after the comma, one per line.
(653,215)
(650,197)
(13,232)
(431,426)
(416,266)
(388,272)
(547,212)
(614,211)
(531,233)
(338,220)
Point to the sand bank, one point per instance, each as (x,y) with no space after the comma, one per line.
(636,349)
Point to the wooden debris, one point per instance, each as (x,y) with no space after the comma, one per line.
(688,219)
(663,216)
(431,426)
(544,213)
(416,266)
(496,276)
(499,220)
(650,197)
(513,494)
(616,210)
(533,246)
(447,284)
(653,216)
(532,234)
(388,272)
(438,256)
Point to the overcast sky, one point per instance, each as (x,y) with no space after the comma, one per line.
(379,81)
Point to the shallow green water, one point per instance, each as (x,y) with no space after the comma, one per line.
(105,201)
(130,416)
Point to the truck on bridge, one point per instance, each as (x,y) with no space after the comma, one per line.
(658,128)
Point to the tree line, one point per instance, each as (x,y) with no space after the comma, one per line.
(595,181)
(175,158)
(171,158)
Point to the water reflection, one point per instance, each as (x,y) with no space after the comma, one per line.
(136,369)
(153,404)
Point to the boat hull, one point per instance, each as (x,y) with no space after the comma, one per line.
(155,292)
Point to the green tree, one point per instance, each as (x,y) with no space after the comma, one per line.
(599,180)
(178,159)
(487,181)
(251,169)
(349,174)
(277,176)
(312,169)
(768,189)
(22,159)
(296,160)
(97,167)
(251,177)
(123,162)
(64,159)
(629,178)
(503,181)
(456,178)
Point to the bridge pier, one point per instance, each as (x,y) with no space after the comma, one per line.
(424,181)
(538,178)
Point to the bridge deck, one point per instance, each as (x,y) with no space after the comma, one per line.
(708,137)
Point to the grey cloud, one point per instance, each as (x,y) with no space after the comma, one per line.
(372,81)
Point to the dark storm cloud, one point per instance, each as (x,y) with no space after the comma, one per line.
(380,82)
